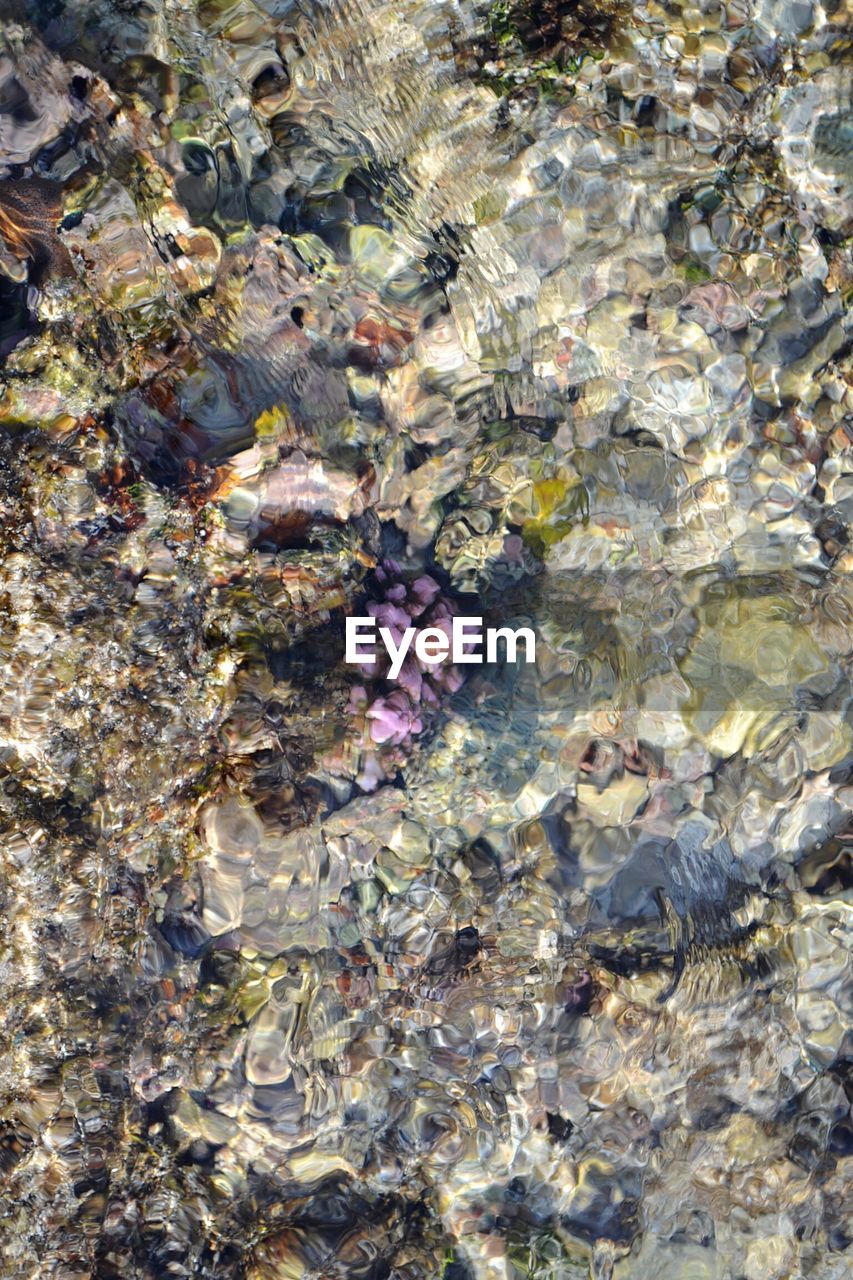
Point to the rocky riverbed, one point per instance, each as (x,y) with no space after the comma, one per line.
(533,311)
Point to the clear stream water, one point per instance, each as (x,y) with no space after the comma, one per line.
(537,311)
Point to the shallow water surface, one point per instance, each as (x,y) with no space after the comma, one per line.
(533,311)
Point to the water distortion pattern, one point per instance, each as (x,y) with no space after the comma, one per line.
(533,312)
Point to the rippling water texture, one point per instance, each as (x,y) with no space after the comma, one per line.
(425,308)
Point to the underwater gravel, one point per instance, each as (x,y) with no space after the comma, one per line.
(538,311)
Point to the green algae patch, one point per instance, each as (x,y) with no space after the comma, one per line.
(559,504)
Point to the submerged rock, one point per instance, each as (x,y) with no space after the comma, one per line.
(530,311)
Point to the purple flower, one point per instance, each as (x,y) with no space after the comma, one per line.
(393,719)
(389,721)
(424,591)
